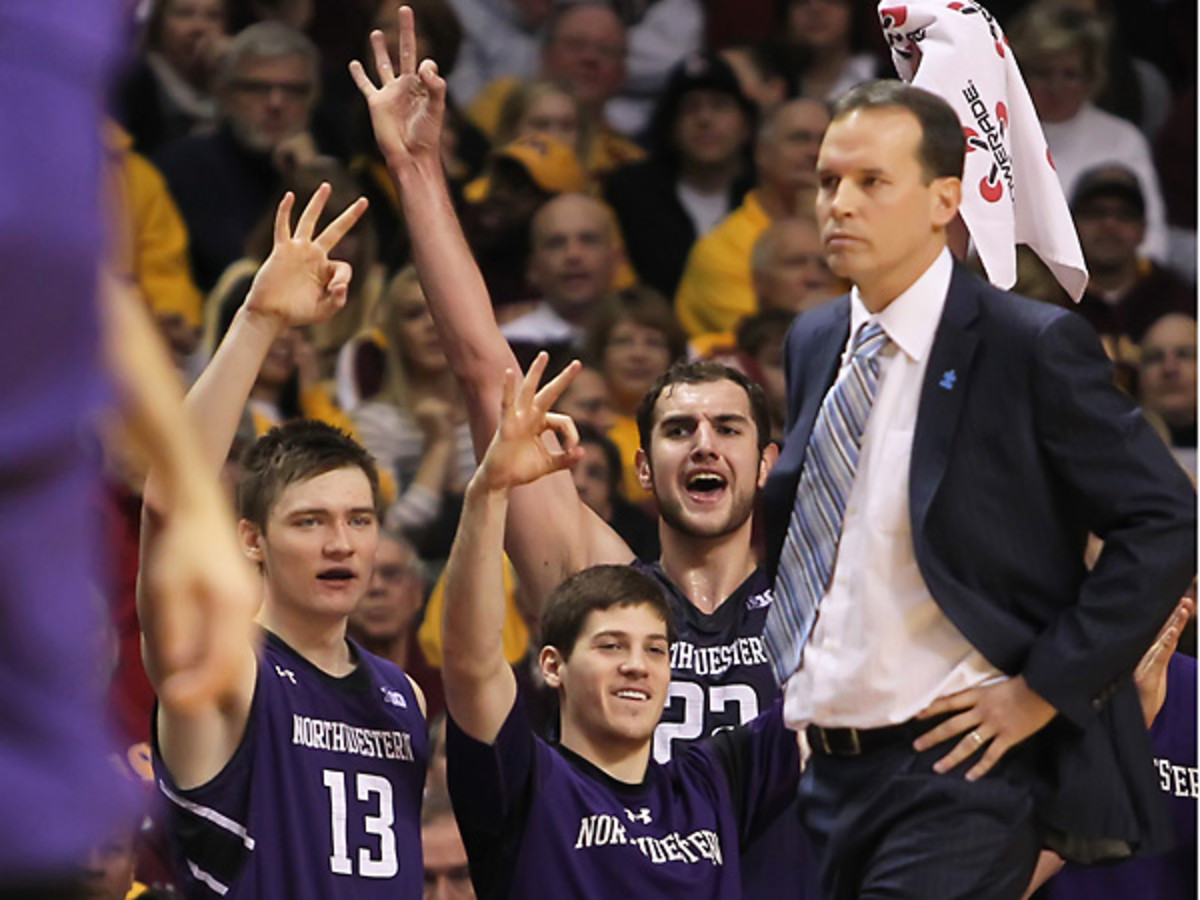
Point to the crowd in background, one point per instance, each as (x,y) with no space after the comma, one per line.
(636,180)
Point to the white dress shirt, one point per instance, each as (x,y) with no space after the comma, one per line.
(882,649)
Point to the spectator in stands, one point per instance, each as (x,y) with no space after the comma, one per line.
(1061,52)
(225,182)
(500,38)
(717,288)
(386,618)
(823,35)
(586,400)
(659,35)
(1126,291)
(520,177)
(760,343)
(445,857)
(1135,88)
(583,45)
(698,172)
(414,421)
(633,339)
(573,259)
(763,72)
(544,106)
(598,479)
(789,268)
(167,92)
(1167,381)
(148,242)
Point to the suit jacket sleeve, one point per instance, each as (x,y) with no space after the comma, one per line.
(1125,485)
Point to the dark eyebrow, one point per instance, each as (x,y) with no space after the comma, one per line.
(731,418)
(677,419)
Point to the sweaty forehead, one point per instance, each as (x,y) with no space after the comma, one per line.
(705,399)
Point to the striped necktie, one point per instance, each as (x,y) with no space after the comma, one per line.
(810,549)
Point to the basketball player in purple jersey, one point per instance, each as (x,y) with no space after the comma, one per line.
(60,792)
(303,781)
(595,817)
(705,454)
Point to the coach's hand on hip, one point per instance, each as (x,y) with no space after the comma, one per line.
(998,716)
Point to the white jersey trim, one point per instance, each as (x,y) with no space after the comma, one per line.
(207,880)
(206,812)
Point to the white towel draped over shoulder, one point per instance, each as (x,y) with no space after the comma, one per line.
(1011,194)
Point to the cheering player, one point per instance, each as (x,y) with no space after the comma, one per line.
(303,780)
(595,816)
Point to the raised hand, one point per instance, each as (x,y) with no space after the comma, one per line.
(519,452)
(1150,676)
(408,106)
(299,284)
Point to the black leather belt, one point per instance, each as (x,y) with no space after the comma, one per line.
(857,741)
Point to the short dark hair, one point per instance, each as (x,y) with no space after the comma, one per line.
(293,452)
(597,589)
(942,149)
(703,371)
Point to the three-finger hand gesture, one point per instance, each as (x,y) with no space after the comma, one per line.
(519,452)
(299,284)
(408,105)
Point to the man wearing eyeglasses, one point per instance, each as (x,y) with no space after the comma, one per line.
(223,182)
(1126,292)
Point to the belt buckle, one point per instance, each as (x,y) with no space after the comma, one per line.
(855,744)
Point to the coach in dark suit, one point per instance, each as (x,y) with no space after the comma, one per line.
(965,688)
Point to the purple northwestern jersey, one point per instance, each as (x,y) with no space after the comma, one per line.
(541,821)
(58,793)
(321,799)
(720,678)
(1171,876)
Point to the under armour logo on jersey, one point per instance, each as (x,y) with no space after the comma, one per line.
(758,601)
(642,815)
(286,673)
(394,698)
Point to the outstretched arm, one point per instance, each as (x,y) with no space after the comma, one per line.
(200,722)
(208,593)
(480,686)
(551,532)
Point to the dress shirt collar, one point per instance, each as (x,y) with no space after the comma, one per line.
(911,320)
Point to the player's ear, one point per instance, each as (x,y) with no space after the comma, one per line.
(770,455)
(645,476)
(251,538)
(551,662)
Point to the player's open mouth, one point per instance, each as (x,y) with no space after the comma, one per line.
(705,486)
(337,575)
(633,694)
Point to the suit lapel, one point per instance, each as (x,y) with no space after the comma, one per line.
(943,394)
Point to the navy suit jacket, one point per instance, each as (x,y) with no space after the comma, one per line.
(1022,446)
